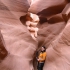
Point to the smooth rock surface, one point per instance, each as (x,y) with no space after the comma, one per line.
(53,32)
(58,51)
(18,41)
(39,5)
(66,12)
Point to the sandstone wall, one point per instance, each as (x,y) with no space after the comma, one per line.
(18,43)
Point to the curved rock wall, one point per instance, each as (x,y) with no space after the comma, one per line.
(18,41)
(39,5)
(20,46)
(3,51)
(58,58)
(55,37)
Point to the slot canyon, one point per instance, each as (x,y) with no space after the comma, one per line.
(26,26)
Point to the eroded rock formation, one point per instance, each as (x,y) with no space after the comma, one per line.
(18,41)
(54,30)
(3,51)
(31,25)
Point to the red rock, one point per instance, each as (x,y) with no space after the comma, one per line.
(19,43)
(66,12)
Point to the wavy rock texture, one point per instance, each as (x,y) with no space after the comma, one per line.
(18,43)
(58,58)
(55,36)
(47,6)
(66,12)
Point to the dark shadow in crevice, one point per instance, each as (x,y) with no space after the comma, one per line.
(42,20)
(3,51)
(52,10)
(55,19)
(35,62)
(25,18)
(68,1)
(69,15)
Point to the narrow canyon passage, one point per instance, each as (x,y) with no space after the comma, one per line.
(21,36)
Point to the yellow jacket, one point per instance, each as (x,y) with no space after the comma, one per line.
(42,56)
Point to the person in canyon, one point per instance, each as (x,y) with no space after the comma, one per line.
(41,58)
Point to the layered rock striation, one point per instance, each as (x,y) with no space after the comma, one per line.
(17,46)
